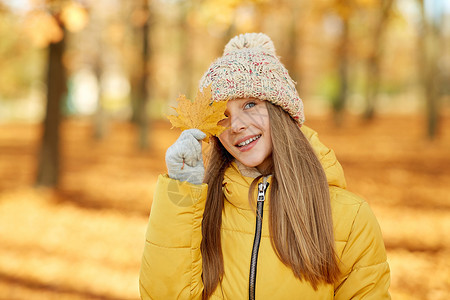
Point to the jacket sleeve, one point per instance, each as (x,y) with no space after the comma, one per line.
(365,271)
(171,265)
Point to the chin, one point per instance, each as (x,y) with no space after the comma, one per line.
(250,164)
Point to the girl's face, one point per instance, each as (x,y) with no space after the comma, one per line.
(248,135)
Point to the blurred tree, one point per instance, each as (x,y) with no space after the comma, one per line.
(344,11)
(429,52)
(97,25)
(48,165)
(141,17)
(134,23)
(347,16)
(186,55)
(61,15)
(294,36)
(383,10)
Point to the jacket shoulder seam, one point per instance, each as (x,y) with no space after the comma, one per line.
(166,247)
(369,266)
(338,192)
(235,230)
(352,227)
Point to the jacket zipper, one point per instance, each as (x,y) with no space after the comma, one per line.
(262,187)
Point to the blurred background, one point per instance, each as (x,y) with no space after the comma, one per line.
(85,86)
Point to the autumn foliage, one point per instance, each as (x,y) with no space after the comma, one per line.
(385,61)
(85,239)
(203,113)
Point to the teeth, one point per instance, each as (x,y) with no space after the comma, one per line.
(249,141)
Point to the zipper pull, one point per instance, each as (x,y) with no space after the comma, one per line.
(262,186)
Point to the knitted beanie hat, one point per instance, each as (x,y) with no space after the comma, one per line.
(249,68)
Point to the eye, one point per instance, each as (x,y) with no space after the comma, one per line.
(249,105)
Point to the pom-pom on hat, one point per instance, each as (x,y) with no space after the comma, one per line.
(250,68)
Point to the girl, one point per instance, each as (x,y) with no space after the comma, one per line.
(270,218)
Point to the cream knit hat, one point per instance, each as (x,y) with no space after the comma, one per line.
(249,68)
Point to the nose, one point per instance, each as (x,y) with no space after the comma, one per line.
(238,124)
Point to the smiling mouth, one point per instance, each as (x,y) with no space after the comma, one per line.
(246,142)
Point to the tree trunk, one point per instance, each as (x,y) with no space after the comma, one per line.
(139,77)
(373,83)
(185,52)
(430,48)
(293,51)
(48,168)
(143,88)
(100,116)
(373,63)
(432,84)
(342,56)
(96,26)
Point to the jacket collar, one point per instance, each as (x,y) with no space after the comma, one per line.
(236,187)
(332,167)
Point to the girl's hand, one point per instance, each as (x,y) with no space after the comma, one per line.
(184,158)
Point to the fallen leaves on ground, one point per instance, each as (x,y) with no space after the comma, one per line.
(85,239)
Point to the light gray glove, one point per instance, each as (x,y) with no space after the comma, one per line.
(184,158)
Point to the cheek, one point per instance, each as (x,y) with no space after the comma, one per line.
(226,141)
(224,138)
(261,118)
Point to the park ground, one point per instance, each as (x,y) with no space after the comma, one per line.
(84,240)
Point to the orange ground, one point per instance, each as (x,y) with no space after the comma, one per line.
(84,241)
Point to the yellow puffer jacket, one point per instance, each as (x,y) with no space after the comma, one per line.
(172,264)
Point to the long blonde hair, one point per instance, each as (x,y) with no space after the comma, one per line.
(300,221)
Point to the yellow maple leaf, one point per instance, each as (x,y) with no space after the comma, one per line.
(203,114)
